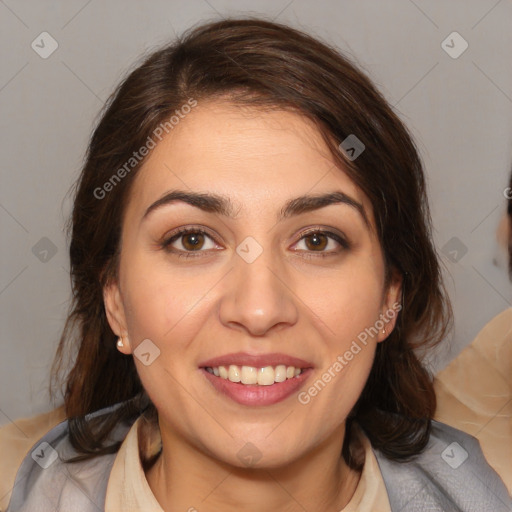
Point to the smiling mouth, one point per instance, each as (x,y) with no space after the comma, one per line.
(251,375)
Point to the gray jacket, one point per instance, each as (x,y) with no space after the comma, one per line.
(451,475)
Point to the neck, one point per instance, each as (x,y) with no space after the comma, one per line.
(185,478)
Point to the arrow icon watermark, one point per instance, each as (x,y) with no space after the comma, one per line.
(249,454)
(45,455)
(249,249)
(146,352)
(454,455)
(352,146)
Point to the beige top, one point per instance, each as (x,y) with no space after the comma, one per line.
(474,393)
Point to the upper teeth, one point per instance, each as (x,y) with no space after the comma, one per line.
(252,375)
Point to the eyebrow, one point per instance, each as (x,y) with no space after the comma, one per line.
(213,203)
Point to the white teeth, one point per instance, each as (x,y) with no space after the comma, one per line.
(266,376)
(251,375)
(280,373)
(234,373)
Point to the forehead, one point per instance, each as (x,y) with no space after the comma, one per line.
(258,158)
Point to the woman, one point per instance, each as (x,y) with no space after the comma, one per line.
(252,268)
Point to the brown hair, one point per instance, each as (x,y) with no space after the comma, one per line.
(266,65)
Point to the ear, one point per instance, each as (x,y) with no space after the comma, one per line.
(114,309)
(391,305)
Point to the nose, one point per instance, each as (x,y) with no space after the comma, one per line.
(257,297)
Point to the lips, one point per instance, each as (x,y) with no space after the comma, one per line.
(258,361)
(255,395)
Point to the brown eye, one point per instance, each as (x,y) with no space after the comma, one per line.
(323,243)
(189,240)
(316,241)
(193,241)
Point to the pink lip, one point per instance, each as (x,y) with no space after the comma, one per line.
(247,394)
(258,361)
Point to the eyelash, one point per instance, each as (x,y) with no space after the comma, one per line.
(345,245)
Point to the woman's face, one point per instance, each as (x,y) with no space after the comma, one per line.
(281,261)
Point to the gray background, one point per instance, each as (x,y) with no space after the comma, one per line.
(459,110)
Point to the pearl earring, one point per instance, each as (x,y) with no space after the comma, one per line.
(120,343)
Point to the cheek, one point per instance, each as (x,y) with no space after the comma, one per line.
(159,301)
(168,309)
(347,309)
(333,393)
(347,301)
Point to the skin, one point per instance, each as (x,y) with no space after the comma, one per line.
(201,307)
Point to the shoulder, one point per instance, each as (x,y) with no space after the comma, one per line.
(45,481)
(450,474)
(474,392)
(16,440)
